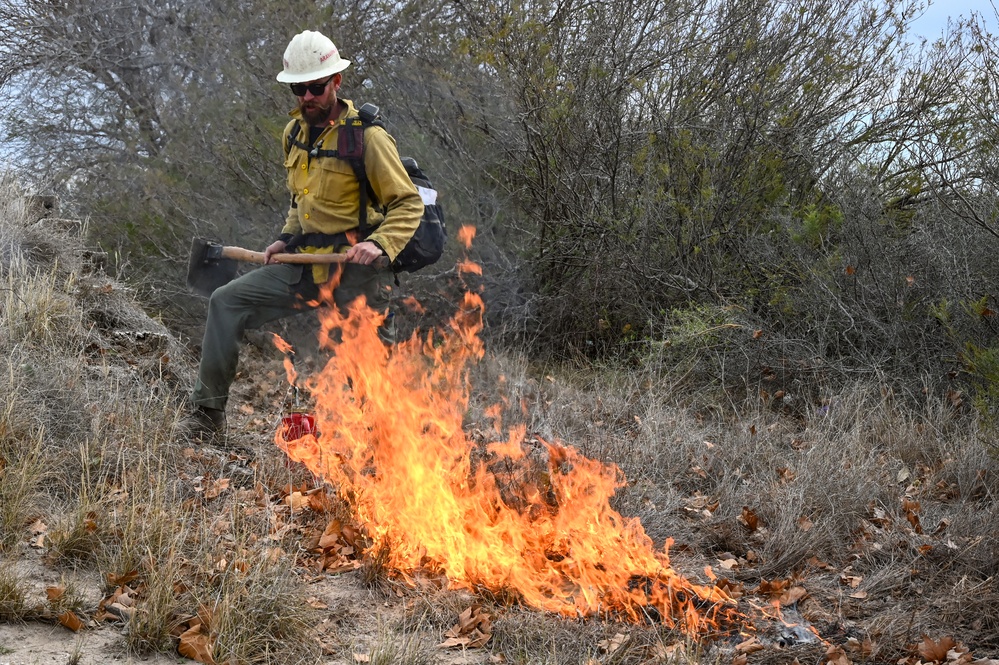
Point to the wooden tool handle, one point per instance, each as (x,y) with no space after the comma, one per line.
(240,254)
(249,256)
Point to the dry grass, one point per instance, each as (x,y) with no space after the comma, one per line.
(404,645)
(855,490)
(20,475)
(13,595)
(885,515)
(92,448)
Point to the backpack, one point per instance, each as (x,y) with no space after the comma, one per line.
(427,244)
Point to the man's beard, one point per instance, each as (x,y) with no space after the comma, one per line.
(314,114)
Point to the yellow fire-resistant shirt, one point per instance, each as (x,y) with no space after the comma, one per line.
(326,195)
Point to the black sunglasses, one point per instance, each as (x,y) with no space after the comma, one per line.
(315,88)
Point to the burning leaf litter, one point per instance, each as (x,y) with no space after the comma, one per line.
(516,514)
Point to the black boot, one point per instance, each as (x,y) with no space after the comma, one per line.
(209,425)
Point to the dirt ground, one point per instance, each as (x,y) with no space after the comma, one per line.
(41,644)
(37,643)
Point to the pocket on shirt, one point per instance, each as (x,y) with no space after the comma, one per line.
(338,187)
(296,174)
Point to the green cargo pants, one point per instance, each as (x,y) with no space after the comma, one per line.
(266,294)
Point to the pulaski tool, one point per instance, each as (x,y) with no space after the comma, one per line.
(213,265)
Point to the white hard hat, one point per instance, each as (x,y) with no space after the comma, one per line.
(310,55)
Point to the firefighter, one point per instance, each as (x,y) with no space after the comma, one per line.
(323,216)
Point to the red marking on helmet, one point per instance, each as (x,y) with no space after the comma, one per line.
(328,56)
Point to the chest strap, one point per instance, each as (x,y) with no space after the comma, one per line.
(313,151)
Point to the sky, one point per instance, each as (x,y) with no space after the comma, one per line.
(932,23)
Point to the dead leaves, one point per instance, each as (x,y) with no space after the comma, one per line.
(209,487)
(339,548)
(62,603)
(121,604)
(71,620)
(55,593)
(860,649)
(748,646)
(836,655)
(612,645)
(936,651)
(732,589)
(473,630)
(700,506)
(785,592)
(329,547)
(848,579)
(39,531)
(117,580)
(301,497)
(196,640)
(816,562)
(314,499)
(731,563)
(911,511)
(903,528)
(945,651)
(749,519)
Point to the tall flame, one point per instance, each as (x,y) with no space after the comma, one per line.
(528,517)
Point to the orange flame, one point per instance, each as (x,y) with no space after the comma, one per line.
(413,305)
(469,268)
(521,515)
(289,353)
(465,235)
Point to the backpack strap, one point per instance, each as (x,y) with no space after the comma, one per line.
(350,147)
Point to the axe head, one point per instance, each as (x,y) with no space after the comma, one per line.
(207,270)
